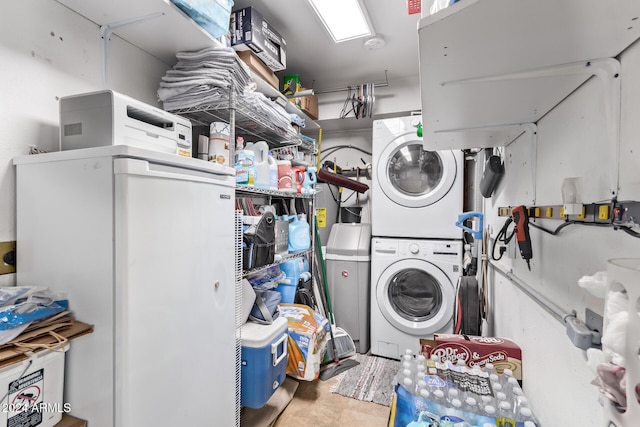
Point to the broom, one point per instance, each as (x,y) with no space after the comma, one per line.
(336,367)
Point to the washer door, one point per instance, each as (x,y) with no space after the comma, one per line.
(412,177)
(415,296)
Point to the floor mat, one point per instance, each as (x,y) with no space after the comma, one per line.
(370,381)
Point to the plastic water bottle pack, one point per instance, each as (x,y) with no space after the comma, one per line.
(432,393)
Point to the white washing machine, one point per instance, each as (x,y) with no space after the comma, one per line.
(412,292)
(415,193)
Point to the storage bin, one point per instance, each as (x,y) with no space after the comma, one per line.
(264,361)
(212,15)
(35,397)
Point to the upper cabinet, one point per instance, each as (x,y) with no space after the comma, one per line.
(161,29)
(491,68)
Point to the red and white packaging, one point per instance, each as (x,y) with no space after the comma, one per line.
(475,351)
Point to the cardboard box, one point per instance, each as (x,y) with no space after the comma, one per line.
(69,421)
(253,62)
(309,104)
(475,351)
(250,31)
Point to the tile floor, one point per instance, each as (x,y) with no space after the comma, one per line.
(314,405)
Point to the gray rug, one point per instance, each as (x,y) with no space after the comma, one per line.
(370,381)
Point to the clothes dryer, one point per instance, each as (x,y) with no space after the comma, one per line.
(412,292)
(415,193)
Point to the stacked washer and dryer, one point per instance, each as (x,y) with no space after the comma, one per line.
(416,248)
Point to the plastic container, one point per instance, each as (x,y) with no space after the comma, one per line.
(261,164)
(273,173)
(264,357)
(36,396)
(293,270)
(310,180)
(245,172)
(285,176)
(213,16)
(218,148)
(287,289)
(351,214)
(299,233)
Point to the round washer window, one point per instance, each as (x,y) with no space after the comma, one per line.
(413,171)
(415,295)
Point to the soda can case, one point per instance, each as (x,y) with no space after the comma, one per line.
(264,361)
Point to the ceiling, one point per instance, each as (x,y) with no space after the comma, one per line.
(323,64)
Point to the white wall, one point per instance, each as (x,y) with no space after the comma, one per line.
(572,143)
(47,52)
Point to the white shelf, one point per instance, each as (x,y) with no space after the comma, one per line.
(161,37)
(473,55)
(165,35)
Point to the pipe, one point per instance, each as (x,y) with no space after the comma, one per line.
(555,311)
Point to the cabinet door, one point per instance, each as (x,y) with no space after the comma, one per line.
(175,297)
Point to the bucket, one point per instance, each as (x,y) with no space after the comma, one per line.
(351,214)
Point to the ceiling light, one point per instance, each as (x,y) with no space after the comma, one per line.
(344,19)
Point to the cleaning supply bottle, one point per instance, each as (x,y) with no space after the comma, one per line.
(273,172)
(310,180)
(299,234)
(245,172)
(261,167)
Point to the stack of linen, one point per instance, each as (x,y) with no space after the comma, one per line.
(203,77)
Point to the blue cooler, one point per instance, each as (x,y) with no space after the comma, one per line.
(264,361)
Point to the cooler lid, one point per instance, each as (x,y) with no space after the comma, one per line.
(255,335)
(349,240)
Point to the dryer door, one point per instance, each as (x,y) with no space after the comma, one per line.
(412,177)
(415,296)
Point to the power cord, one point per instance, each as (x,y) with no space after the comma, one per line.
(502,237)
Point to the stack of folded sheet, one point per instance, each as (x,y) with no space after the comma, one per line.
(203,77)
(206,76)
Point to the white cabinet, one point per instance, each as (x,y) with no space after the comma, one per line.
(488,68)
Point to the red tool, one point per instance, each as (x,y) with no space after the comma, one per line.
(521,220)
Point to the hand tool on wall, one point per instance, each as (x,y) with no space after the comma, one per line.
(521,220)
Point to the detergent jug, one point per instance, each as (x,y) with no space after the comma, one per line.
(310,180)
(261,168)
(293,269)
(273,172)
(245,172)
(299,234)
(298,177)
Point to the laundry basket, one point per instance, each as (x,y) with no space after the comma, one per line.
(623,275)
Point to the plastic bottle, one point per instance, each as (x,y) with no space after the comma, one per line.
(455,414)
(310,179)
(261,166)
(299,234)
(245,173)
(505,413)
(273,173)
(453,394)
(511,385)
(489,368)
(407,383)
(438,397)
(470,405)
(489,411)
(524,414)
